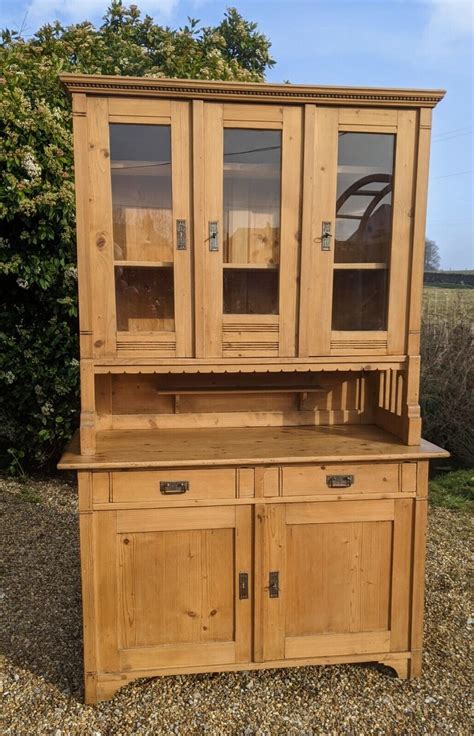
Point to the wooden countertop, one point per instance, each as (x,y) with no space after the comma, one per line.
(243,446)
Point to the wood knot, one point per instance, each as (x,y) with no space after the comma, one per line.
(126,541)
(213,612)
(192,614)
(98,343)
(101,242)
(105,153)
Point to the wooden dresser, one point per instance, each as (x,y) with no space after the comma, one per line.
(252,478)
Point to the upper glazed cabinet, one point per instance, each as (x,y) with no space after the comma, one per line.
(230,230)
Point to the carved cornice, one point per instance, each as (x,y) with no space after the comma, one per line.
(249,91)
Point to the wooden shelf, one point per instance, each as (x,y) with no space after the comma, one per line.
(253,266)
(360,266)
(267,389)
(144,264)
(154,448)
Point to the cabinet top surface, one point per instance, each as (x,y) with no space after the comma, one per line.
(243,446)
(252,91)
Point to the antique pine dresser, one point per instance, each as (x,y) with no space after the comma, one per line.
(252,478)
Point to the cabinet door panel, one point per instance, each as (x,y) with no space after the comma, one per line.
(358,185)
(344,572)
(247,186)
(140,208)
(174,600)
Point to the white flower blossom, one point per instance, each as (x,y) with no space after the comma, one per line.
(23,283)
(32,166)
(9,377)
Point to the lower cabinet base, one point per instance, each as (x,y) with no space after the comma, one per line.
(103,686)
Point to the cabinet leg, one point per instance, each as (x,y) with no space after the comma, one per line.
(414,669)
(90,689)
(401,667)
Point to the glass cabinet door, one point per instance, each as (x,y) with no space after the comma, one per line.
(356,242)
(363,231)
(141,172)
(140,160)
(252,164)
(251,221)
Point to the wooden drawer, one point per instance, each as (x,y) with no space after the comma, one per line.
(166,485)
(300,480)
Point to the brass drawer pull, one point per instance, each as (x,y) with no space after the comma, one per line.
(339,481)
(173,487)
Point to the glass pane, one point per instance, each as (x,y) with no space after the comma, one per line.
(364,197)
(144,298)
(141,192)
(359,300)
(252,184)
(250,291)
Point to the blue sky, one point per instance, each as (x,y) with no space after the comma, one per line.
(396,43)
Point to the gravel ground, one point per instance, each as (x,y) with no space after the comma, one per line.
(42,684)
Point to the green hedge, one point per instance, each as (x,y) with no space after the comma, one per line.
(39,391)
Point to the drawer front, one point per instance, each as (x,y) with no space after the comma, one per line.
(300,480)
(166,485)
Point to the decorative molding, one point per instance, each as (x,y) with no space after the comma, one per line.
(252,91)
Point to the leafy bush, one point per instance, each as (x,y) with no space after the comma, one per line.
(39,395)
(447,373)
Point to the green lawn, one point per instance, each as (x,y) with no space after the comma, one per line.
(453,490)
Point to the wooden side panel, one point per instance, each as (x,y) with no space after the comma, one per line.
(401,575)
(319,204)
(419,224)
(290,233)
(84,274)
(401,232)
(269,628)
(88,598)
(100,228)
(418,585)
(106,590)
(182,210)
(208,184)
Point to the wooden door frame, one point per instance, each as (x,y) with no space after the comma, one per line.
(322,125)
(272,520)
(107,526)
(275,334)
(101,112)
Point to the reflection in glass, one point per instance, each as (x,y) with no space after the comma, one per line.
(359,300)
(252,163)
(250,291)
(364,197)
(141,192)
(144,299)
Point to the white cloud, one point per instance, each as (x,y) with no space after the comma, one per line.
(74,11)
(450,22)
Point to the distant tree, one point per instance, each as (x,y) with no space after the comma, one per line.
(432,257)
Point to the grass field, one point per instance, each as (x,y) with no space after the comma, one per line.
(438,301)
